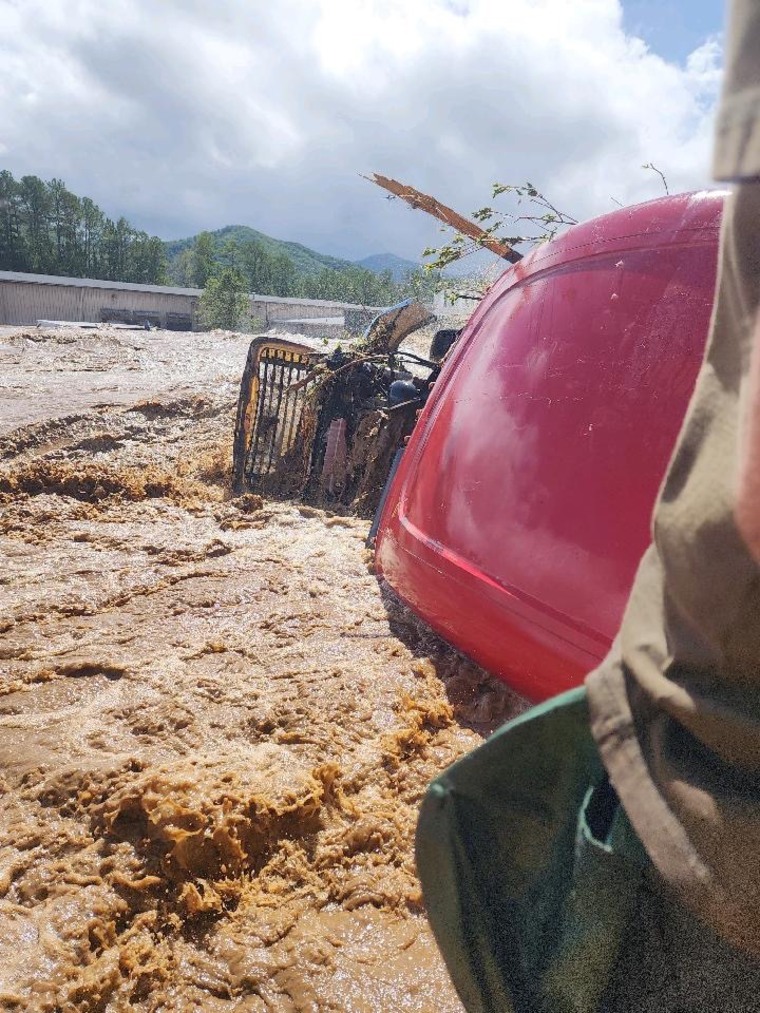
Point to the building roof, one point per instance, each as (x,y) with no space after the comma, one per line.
(128,286)
(125,286)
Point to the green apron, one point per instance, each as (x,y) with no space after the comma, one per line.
(529,868)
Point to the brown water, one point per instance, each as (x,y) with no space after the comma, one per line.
(215,729)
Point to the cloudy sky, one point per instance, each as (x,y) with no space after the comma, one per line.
(192,114)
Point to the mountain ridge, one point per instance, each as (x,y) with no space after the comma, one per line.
(399,267)
(305,259)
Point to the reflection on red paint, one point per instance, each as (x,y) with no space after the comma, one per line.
(522,505)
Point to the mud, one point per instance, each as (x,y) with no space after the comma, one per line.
(215,727)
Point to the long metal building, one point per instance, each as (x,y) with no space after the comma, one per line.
(27,298)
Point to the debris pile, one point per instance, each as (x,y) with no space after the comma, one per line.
(325,427)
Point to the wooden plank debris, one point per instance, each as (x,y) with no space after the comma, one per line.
(424,202)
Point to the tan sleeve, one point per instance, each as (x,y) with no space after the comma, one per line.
(737,139)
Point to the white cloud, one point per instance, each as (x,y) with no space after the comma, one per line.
(187,114)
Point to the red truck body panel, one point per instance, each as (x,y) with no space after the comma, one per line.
(522,504)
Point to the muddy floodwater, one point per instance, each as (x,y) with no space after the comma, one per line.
(215,726)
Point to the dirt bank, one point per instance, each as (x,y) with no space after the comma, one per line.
(215,728)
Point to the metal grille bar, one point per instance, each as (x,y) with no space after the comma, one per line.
(270,411)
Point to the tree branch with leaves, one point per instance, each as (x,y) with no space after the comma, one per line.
(535,220)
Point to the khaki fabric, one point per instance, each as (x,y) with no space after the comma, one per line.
(675,707)
(737,140)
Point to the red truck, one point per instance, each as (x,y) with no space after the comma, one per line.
(522,504)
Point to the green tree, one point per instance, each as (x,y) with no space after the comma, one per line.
(116,239)
(225,301)
(146,260)
(421,284)
(92,223)
(65,213)
(350,284)
(266,273)
(13,256)
(283,275)
(204,259)
(36,218)
(47,229)
(181,269)
(256,264)
(229,256)
(536,219)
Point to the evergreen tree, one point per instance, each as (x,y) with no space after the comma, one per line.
(146,260)
(64,213)
(283,275)
(204,259)
(256,264)
(225,301)
(115,244)
(230,255)
(36,220)
(12,249)
(92,228)
(47,229)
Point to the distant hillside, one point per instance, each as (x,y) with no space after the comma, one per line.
(398,266)
(306,261)
(274,267)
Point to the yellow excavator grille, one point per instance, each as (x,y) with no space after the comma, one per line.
(275,383)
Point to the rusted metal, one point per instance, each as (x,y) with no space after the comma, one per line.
(336,454)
